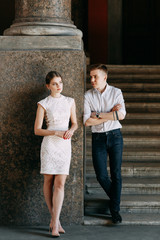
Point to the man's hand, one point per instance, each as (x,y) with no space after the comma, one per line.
(93,115)
(116,107)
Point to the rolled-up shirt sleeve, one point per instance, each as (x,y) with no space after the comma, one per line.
(120,100)
(87,109)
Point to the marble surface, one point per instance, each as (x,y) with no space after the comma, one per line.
(40,29)
(43,10)
(40,42)
(42,18)
(22,86)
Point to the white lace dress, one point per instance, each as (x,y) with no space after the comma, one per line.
(55,151)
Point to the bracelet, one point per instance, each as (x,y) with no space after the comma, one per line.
(113,116)
(97,114)
(117,115)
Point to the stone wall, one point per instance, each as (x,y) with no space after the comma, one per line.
(23,84)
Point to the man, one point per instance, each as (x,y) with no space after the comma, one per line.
(103,108)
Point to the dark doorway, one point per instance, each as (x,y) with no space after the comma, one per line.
(98,30)
(141,32)
(7,13)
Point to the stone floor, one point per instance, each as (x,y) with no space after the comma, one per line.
(74,232)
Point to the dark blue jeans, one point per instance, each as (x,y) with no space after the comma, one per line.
(111,144)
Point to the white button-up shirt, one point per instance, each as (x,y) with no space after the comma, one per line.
(94,101)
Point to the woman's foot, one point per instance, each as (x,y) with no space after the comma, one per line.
(60,228)
(50,226)
(55,232)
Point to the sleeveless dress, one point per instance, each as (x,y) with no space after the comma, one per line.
(55,151)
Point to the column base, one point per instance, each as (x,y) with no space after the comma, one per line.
(42,29)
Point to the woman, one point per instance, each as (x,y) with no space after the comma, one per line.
(56,145)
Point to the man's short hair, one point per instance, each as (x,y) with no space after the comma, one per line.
(101,67)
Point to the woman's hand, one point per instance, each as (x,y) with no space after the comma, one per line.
(59,133)
(68,134)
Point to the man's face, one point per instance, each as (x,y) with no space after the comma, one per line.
(98,79)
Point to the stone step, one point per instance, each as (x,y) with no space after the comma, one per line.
(135,87)
(139,141)
(132,129)
(134,156)
(140,107)
(139,157)
(133,169)
(142,118)
(132,153)
(113,79)
(136,142)
(147,70)
(141,97)
(129,186)
(128,219)
(132,72)
(150,129)
(138,87)
(133,78)
(151,155)
(134,69)
(129,203)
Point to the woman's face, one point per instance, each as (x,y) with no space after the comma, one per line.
(56,85)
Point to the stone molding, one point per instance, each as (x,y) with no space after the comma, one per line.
(19,43)
(42,30)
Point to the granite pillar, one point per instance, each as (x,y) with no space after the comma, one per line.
(24,63)
(47,17)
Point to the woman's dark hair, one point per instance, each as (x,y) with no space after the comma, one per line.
(101,67)
(51,75)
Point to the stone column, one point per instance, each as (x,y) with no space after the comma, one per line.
(42,17)
(44,39)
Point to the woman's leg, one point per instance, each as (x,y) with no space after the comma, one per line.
(48,195)
(58,196)
(48,191)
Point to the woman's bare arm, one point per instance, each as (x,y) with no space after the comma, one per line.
(68,134)
(39,122)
